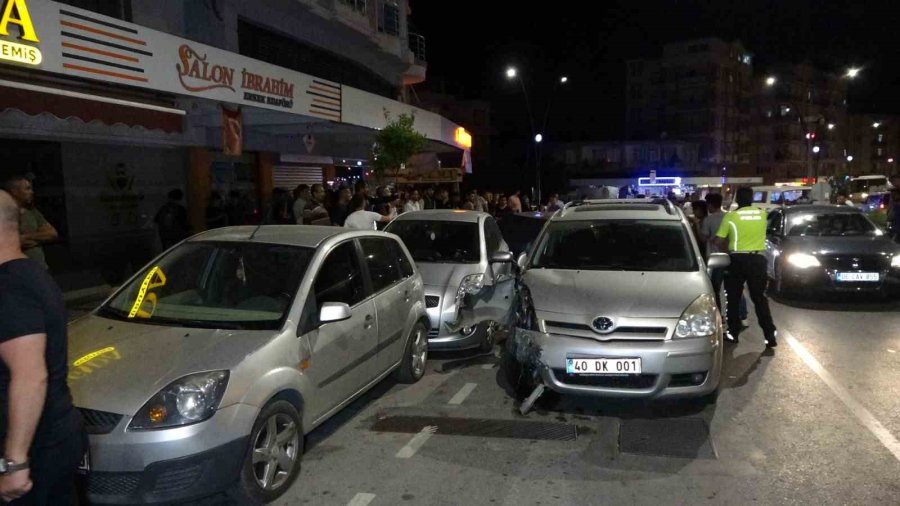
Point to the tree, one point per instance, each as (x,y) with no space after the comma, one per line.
(395,144)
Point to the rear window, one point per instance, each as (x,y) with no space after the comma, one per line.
(616,245)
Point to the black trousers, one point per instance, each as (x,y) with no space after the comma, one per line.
(53,473)
(749,269)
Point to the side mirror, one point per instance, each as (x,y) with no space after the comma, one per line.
(334,312)
(718,261)
(502,257)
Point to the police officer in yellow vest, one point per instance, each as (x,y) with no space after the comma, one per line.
(743,231)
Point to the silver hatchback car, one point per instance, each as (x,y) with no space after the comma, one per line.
(616,301)
(205,370)
(467,271)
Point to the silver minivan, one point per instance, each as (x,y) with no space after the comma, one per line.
(205,370)
(467,270)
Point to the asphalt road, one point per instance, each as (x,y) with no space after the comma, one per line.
(815,422)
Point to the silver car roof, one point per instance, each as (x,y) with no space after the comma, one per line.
(309,236)
(444,215)
(619,209)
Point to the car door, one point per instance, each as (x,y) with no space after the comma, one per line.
(774,240)
(392,295)
(494,302)
(339,349)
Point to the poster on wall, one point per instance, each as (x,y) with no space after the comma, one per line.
(232,132)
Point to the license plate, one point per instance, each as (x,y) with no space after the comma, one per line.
(857,276)
(603,366)
(84,467)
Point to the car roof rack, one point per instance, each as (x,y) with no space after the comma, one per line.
(667,204)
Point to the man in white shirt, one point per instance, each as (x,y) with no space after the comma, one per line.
(707,233)
(360,219)
(414,203)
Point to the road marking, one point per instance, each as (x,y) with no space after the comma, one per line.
(416,442)
(361,499)
(487,366)
(463,393)
(859,411)
(891,351)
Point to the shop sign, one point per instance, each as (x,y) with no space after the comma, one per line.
(15,13)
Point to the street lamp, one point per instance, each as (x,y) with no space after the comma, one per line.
(852,72)
(538,138)
(563,80)
(849,158)
(816,149)
(511,73)
(831,126)
(770,81)
(876,124)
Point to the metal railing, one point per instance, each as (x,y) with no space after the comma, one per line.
(389,18)
(417,47)
(357,5)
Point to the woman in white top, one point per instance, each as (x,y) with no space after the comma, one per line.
(361,219)
(414,203)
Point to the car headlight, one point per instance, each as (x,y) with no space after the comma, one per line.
(473,283)
(187,400)
(895,262)
(803,260)
(699,319)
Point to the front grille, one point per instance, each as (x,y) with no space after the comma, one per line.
(177,480)
(659,332)
(851,263)
(635,381)
(113,483)
(432,301)
(99,422)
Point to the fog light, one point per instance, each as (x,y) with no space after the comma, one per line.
(157,414)
(697,378)
(468,331)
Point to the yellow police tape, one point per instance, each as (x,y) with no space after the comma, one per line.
(142,294)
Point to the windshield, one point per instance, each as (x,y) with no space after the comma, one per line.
(215,285)
(829,224)
(439,241)
(864,185)
(616,245)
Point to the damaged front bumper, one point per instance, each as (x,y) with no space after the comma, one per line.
(670,368)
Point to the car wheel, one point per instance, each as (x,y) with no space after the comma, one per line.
(488,337)
(415,356)
(273,456)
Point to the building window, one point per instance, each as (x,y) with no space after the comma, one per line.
(120,9)
(880,151)
(635,154)
(389,18)
(598,155)
(357,5)
(277,49)
(880,137)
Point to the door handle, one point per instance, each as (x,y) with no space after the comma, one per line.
(369,322)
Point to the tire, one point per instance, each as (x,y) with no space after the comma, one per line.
(487,339)
(415,356)
(251,487)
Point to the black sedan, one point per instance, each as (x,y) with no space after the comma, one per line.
(818,249)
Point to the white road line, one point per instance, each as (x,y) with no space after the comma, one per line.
(361,499)
(416,442)
(463,393)
(859,411)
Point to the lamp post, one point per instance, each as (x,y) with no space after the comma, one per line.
(513,74)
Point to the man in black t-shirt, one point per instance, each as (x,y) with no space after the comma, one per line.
(41,435)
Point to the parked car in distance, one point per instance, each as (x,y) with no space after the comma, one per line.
(205,370)
(773,197)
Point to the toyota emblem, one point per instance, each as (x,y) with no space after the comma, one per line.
(603,325)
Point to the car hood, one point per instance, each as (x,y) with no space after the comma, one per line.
(615,293)
(872,245)
(435,274)
(122,364)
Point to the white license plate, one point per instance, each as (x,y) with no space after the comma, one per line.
(857,276)
(603,366)
(84,467)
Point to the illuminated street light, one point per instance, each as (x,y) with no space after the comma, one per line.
(511,73)
(890,160)
(770,81)
(852,72)
(816,149)
(563,80)
(831,126)
(849,158)
(538,138)
(876,124)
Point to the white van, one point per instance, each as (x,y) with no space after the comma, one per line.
(771,197)
(862,186)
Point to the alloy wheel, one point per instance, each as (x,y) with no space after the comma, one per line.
(275,451)
(419,353)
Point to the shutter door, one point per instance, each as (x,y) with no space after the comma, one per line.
(289,176)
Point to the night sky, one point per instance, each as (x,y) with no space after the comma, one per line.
(469,48)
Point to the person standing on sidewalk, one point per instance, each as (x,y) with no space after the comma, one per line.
(33,227)
(41,433)
(743,233)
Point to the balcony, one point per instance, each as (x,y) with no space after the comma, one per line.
(417,48)
(415,74)
(389,18)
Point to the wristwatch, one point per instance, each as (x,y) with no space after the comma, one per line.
(8,467)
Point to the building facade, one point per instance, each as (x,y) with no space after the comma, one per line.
(627,158)
(699,91)
(109,105)
(873,146)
